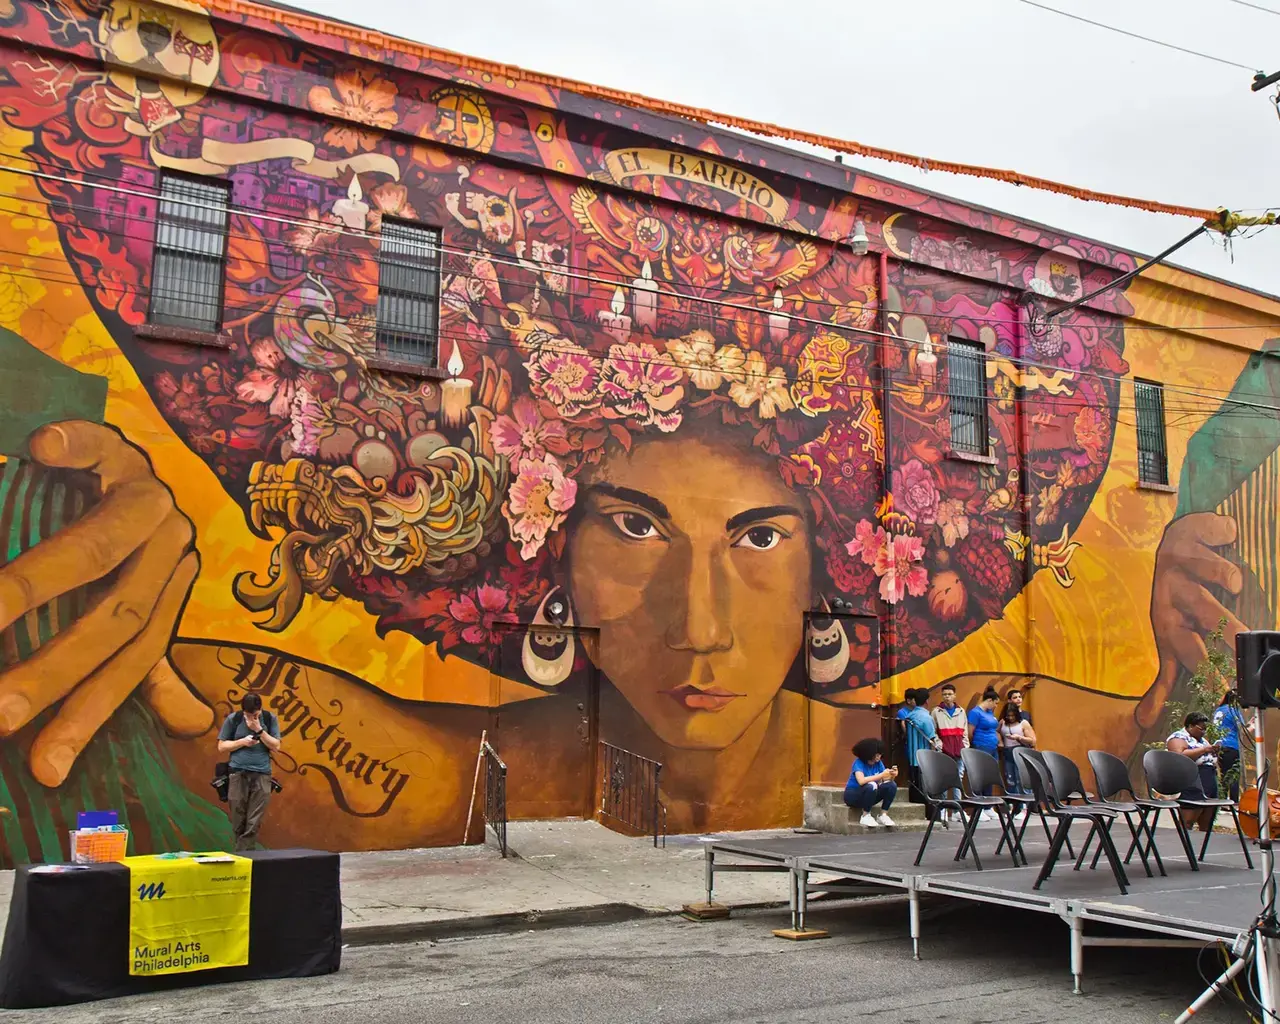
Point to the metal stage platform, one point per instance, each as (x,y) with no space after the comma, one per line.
(1214,904)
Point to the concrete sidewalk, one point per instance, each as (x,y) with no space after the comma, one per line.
(557,872)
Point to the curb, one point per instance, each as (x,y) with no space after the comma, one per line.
(529,920)
(520,921)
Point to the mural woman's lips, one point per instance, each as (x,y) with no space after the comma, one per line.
(710,698)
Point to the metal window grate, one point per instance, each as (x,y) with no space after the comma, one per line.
(1153,449)
(967,383)
(408,292)
(191,235)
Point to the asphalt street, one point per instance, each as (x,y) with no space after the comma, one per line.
(981,964)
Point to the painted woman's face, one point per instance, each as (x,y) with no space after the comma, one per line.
(693,560)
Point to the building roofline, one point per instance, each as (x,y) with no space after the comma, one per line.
(412,48)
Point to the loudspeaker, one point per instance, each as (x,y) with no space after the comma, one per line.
(1258,668)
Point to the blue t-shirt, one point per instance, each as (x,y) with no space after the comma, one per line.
(903,712)
(1230,721)
(859,765)
(986,729)
(920,733)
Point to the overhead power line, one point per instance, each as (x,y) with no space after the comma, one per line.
(373,40)
(1137,35)
(1256,7)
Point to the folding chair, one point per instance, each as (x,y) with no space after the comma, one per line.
(981,771)
(1066,780)
(1022,755)
(1157,771)
(1168,772)
(939,777)
(1111,776)
(1099,819)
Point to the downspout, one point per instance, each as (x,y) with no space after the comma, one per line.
(1024,491)
(888,638)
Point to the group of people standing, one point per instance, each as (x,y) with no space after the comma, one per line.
(947,728)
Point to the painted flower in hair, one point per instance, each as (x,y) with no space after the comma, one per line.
(538,503)
(1049,498)
(868,541)
(761,385)
(566,375)
(480,611)
(359,96)
(899,567)
(526,435)
(273,379)
(953,521)
(390,199)
(642,385)
(707,366)
(914,492)
(1091,432)
(308,423)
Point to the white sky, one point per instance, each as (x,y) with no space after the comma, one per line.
(994,82)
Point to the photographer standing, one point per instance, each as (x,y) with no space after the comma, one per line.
(249,736)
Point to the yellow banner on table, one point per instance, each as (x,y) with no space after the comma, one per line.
(188,913)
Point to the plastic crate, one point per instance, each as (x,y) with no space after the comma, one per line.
(99,846)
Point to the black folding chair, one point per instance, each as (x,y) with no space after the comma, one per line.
(982,771)
(1168,773)
(1069,786)
(1111,776)
(939,778)
(1098,816)
(1158,772)
(1022,755)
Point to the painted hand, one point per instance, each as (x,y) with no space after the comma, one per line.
(1184,609)
(137,532)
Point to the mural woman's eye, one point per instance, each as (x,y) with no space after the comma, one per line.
(634,525)
(759,538)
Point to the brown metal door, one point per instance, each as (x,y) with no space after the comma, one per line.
(546,734)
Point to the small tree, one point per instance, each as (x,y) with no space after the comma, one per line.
(1206,687)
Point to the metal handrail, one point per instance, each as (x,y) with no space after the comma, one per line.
(495,795)
(630,793)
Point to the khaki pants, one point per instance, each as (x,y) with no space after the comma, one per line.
(247,797)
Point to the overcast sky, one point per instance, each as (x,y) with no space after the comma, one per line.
(994,82)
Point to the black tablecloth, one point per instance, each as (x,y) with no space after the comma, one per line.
(67,940)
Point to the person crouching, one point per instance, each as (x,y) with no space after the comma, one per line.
(871,784)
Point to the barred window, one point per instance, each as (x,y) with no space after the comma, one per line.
(191,234)
(408,292)
(967,379)
(1153,452)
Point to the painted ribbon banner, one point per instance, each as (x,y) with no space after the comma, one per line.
(187,913)
(622,164)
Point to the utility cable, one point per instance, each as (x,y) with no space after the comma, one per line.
(1136,35)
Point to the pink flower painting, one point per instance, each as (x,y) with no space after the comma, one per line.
(480,611)
(566,375)
(643,385)
(915,494)
(538,503)
(526,435)
(898,566)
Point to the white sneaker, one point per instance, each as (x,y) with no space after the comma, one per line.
(884,819)
(866,821)
(987,815)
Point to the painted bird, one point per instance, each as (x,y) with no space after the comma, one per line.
(309,331)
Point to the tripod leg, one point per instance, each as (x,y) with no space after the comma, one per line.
(1220,983)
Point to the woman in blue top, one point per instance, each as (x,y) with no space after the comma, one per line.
(920,734)
(871,783)
(984,731)
(1232,729)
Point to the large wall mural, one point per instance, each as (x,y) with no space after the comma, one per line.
(651,494)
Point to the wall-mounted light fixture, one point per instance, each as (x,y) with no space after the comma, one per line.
(858,241)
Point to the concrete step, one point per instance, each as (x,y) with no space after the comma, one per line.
(825,810)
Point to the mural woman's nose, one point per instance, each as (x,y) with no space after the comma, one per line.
(700,606)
